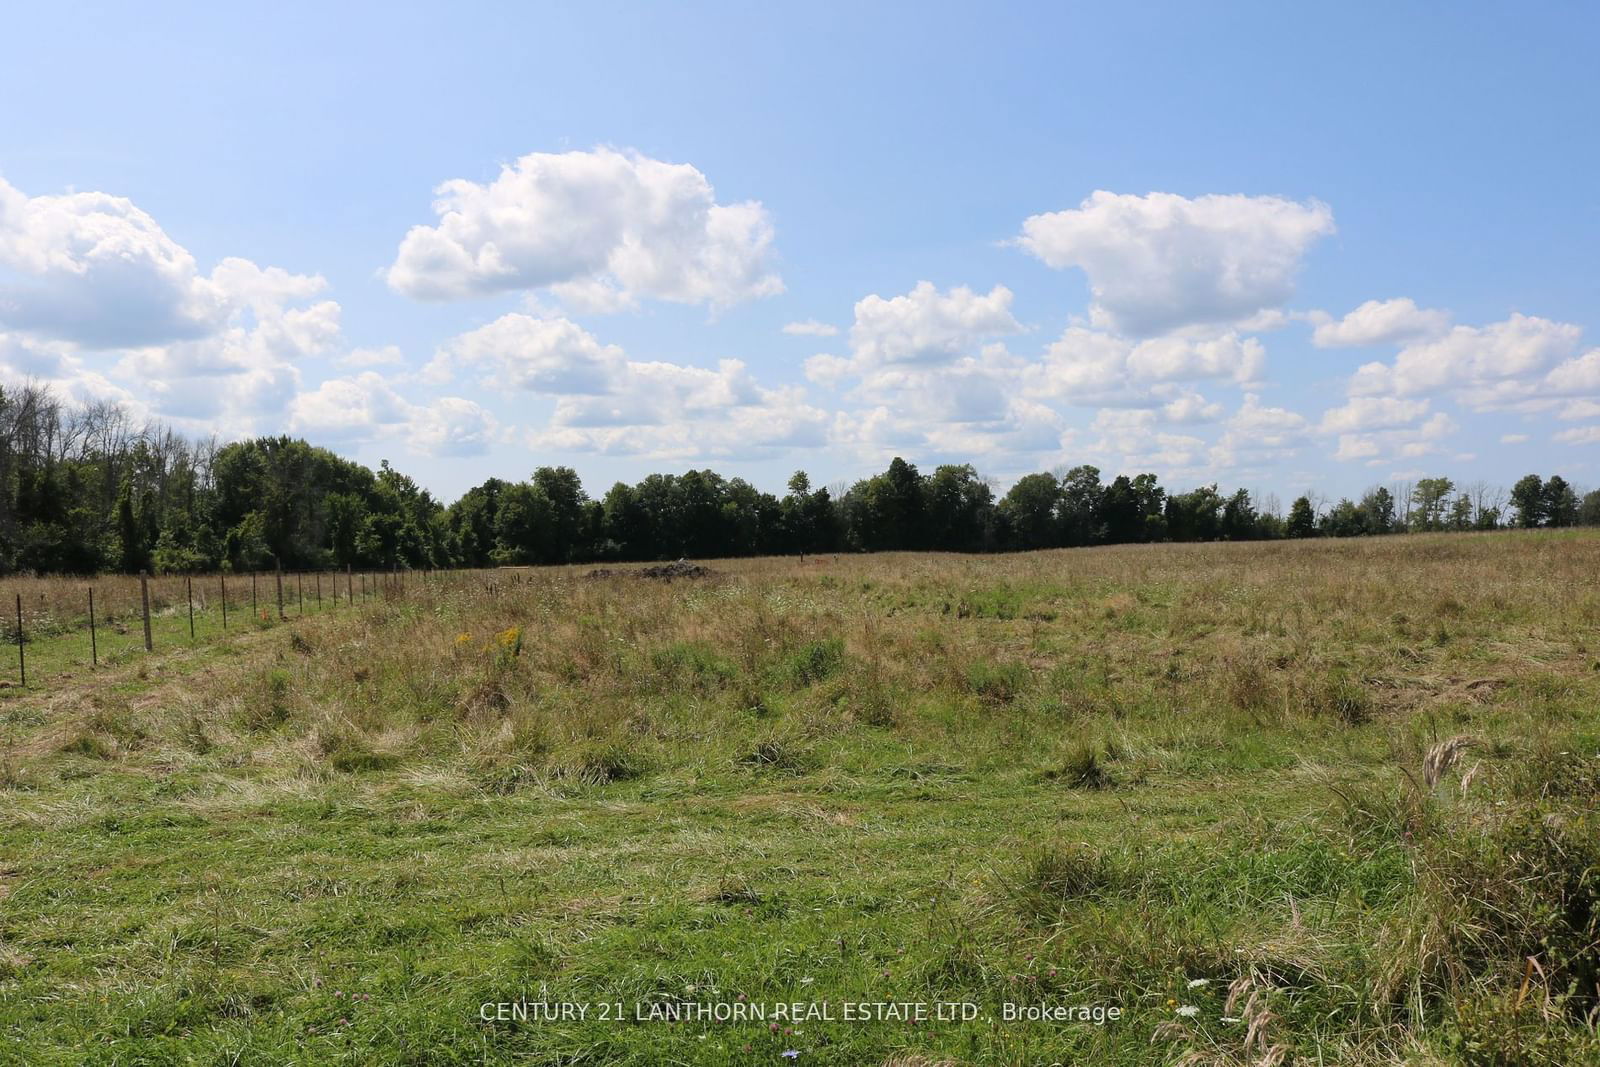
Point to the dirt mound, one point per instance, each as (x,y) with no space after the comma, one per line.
(664,571)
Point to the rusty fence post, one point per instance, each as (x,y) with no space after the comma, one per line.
(22,656)
(94,644)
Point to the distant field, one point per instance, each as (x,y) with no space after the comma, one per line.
(1295,802)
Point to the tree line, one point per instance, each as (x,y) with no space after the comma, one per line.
(85,490)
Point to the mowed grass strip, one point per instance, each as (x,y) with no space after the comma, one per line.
(1293,802)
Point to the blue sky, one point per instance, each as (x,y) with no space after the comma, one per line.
(1271,246)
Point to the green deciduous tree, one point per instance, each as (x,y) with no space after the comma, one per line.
(1429,499)
(1560,502)
(84,489)
(1528,497)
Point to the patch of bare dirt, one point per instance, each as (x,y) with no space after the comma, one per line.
(661,572)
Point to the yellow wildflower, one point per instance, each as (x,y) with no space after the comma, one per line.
(510,641)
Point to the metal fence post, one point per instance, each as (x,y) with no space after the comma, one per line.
(224,579)
(22,657)
(144,600)
(188,592)
(94,644)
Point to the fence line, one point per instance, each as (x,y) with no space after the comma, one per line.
(109,606)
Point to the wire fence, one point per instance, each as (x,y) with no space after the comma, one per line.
(56,626)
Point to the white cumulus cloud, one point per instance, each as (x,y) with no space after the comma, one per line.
(450,426)
(1184,358)
(1379,322)
(99,301)
(365,407)
(1516,351)
(1090,367)
(609,403)
(545,355)
(928,327)
(1406,441)
(1258,434)
(1138,443)
(1363,413)
(1576,376)
(928,374)
(1161,262)
(1189,407)
(94,269)
(1580,435)
(602,228)
(388,355)
(249,370)
(810,328)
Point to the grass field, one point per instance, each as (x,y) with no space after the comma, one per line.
(1308,802)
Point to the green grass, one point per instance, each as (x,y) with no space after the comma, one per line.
(1163,776)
